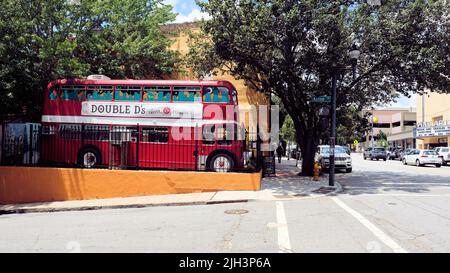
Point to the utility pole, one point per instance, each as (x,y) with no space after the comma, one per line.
(333,129)
(371,138)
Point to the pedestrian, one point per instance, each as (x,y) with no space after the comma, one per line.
(279,152)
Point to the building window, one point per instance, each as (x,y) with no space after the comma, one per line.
(155,134)
(381,125)
(409,123)
(439,118)
(396,124)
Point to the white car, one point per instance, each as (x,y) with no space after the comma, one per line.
(444,154)
(342,159)
(422,157)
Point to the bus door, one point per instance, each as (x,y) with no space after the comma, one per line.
(154,150)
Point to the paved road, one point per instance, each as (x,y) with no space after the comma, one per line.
(386,207)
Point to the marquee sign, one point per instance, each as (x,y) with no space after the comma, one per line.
(433,124)
(436,131)
(142,110)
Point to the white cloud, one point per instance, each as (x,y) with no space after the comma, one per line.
(195,15)
(171,2)
(405,101)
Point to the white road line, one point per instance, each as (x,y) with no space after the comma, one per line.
(396,195)
(284,243)
(388,241)
(377,184)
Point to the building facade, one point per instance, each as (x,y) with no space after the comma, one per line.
(396,123)
(433,121)
(248,98)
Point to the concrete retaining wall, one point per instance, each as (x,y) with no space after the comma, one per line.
(27,185)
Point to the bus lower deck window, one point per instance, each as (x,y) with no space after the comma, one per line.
(155,134)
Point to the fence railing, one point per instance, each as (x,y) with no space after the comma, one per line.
(129,147)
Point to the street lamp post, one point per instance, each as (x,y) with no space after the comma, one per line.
(333,129)
(353,54)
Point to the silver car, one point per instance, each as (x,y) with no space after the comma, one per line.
(422,157)
(342,159)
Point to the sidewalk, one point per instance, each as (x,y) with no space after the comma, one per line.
(286,185)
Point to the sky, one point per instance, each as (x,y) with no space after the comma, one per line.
(188,11)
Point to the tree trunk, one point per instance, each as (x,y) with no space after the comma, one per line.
(308,146)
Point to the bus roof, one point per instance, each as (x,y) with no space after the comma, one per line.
(137,82)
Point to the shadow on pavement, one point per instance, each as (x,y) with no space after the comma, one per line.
(368,182)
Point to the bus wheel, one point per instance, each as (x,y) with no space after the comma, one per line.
(89,157)
(222,163)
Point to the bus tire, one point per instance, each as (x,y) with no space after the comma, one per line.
(89,157)
(221,162)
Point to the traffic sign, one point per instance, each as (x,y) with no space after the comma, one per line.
(355,142)
(322,99)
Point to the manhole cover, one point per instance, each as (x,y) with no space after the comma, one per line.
(236,211)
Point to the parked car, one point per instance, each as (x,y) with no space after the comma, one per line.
(422,157)
(375,153)
(348,151)
(444,154)
(342,160)
(296,154)
(405,152)
(394,153)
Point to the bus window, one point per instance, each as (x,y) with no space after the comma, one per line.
(96,132)
(69,92)
(70,131)
(208,134)
(186,94)
(97,92)
(155,134)
(225,135)
(54,93)
(128,93)
(216,95)
(156,93)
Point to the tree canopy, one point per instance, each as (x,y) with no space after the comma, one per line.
(292,49)
(45,40)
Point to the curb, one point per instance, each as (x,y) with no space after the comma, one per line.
(130,206)
(338,189)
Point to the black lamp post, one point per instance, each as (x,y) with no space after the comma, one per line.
(353,54)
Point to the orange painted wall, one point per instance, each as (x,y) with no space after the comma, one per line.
(27,185)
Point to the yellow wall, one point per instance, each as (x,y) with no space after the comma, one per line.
(436,105)
(247,96)
(27,185)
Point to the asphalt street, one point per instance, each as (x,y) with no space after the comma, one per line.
(385,207)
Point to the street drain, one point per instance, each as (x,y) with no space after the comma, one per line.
(392,204)
(236,211)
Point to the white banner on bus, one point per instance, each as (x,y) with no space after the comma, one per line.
(142,110)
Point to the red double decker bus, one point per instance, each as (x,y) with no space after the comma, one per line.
(142,124)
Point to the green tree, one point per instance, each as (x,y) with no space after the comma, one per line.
(45,40)
(287,131)
(353,124)
(292,49)
(382,139)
